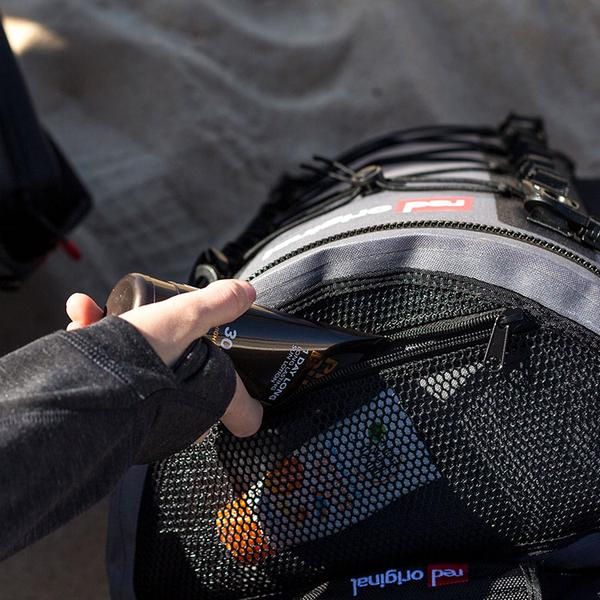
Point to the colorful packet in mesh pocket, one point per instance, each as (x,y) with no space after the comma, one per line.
(337,479)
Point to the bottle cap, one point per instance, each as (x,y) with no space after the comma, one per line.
(136,289)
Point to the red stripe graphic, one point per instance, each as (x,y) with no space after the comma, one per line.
(435,204)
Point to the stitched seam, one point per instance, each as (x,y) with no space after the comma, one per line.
(103,361)
(109,365)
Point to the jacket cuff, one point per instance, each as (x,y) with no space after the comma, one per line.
(205,371)
(205,386)
(185,402)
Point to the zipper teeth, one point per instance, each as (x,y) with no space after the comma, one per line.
(523,237)
(412,349)
(436,345)
(415,350)
(455,325)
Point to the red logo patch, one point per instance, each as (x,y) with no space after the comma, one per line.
(435,204)
(445,574)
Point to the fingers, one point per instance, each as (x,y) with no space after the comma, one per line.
(83,311)
(244,414)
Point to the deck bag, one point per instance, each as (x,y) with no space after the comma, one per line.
(463,460)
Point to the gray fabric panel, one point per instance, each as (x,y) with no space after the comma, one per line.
(549,279)
(375,210)
(404,206)
(387,207)
(122,529)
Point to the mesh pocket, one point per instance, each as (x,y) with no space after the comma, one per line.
(431,458)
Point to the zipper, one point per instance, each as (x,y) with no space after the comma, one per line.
(509,233)
(495,352)
(493,327)
(454,326)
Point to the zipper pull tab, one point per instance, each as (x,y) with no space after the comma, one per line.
(496,349)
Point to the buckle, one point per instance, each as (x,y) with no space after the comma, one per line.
(590,234)
(549,182)
(522,147)
(519,125)
(526,164)
(549,204)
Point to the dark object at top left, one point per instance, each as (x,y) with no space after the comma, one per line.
(41,198)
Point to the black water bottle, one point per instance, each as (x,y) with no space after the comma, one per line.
(274,353)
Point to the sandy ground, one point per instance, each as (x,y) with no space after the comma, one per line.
(180,115)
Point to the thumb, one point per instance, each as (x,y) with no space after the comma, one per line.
(172,325)
(221,302)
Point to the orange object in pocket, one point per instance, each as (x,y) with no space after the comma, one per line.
(241,534)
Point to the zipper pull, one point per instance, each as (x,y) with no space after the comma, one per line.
(496,349)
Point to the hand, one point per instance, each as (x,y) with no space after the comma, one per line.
(172,325)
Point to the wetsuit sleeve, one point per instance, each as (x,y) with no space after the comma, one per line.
(78,408)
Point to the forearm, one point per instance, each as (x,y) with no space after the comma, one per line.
(77,409)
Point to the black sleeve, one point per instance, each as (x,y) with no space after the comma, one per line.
(78,408)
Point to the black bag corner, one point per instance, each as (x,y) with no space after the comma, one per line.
(41,198)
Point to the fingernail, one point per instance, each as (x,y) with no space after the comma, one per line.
(250,291)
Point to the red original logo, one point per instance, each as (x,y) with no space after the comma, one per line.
(435,204)
(446,574)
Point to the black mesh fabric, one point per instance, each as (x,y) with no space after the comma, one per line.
(391,302)
(435,459)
